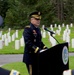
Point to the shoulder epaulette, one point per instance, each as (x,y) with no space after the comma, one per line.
(27,27)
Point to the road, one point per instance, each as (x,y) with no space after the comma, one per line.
(5,59)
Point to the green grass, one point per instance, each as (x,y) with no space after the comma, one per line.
(21,67)
(71,62)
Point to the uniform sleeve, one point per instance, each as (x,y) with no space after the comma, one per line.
(27,38)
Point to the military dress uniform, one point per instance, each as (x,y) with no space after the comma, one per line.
(32,37)
(33,44)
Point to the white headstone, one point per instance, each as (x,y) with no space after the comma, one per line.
(68,38)
(68,31)
(55,25)
(3,38)
(9,29)
(1,44)
(72,43)
(13,37)
(0,34)
(58,32)
(52,40)
(44,34)
(63,25)
(51,27)
(64,36)
(8,34)
(59,27)
(17,44)
(6,42)
(22,42)
(9,39)
(67,26)
(16,33)
(71,25)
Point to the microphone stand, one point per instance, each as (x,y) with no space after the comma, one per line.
(54,38)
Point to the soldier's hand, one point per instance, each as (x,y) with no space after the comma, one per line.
(45,47)
(37,50)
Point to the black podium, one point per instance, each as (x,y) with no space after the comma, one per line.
(54,60)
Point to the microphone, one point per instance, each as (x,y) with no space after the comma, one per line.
(49,30)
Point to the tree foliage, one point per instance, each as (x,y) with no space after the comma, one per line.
(16,12)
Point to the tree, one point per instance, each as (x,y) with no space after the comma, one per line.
(3,8)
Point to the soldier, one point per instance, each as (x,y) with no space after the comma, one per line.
(33,43)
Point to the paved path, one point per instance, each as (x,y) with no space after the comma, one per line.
(4,59)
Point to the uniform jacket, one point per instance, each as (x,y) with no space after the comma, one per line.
(32,39)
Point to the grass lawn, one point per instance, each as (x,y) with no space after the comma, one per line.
(21,67)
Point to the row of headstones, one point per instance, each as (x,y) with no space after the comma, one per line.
(66,36)
(6,39)
(18,44)
(59,27)
(55,25)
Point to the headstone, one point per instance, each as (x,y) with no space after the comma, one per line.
(9,39)
(72,43)
(17,44)
(55,25)
(71,25)
(64,36)
(44,34)
(63,25)
(58,32)
(8,34)
(67,26)
(16,33)
(9,29)
(68,31)
(52,40)
(59,27)
(22,42)
(51,27)
(6,42)
(3,38)
(68,38)
(0,34)
(13,37)
(1,44)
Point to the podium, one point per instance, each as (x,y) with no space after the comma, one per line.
(54,60)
